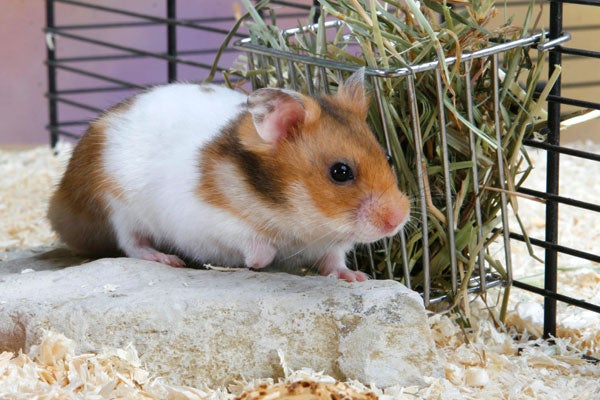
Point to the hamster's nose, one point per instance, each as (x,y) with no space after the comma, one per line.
(393,218)
(394,213)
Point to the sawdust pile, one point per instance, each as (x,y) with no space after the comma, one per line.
(485,362)
(27,179)
(53,371)
(490,365)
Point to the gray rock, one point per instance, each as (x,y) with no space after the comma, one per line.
(197,327)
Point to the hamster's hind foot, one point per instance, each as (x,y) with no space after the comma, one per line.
(141,248)
(349,275)
(150,254)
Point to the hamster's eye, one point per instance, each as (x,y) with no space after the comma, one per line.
(389,159)
(341,172)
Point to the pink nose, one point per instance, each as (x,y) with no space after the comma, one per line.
(391,219)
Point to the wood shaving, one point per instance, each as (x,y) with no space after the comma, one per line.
(27,179)
(52,370)
(484,362)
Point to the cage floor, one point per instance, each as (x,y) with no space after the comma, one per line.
(483,363)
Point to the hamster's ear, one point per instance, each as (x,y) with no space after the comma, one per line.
(353,94)
(277,113)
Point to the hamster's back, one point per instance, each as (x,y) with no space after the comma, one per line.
(156,138)
(145,145)
(169,118)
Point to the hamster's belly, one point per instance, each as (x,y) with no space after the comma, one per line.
(208,234)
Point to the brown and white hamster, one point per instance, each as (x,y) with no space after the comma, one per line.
(208,174)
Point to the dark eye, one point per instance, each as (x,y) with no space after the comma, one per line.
(341,172)
(389,159)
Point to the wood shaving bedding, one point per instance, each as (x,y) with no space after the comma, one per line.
(27,179)
(482,363)
(490,365)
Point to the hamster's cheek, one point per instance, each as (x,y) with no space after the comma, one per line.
(311,222)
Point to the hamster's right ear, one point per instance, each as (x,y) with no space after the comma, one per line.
(353,93)
(278,113)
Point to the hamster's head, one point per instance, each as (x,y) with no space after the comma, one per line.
(339,185)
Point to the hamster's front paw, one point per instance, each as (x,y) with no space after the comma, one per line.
(334,264)
(346,274)
(259,254)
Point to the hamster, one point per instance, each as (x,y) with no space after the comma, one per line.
(200,172)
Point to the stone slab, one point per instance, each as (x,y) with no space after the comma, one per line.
(198,327)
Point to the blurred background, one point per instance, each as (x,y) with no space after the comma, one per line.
(24,113)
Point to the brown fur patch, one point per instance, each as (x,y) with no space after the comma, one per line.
(255,168)
(332,109)
(78,209)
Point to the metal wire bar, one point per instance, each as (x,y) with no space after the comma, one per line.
(106,78)
(291,4)
(323,78)
(309,82)
(119,11)
(579,52)
(130,24)
(548,294)
(72,123)
(51,70)
(130,50)
(247,45)
(292,73)
(560,199)
(584,84)
(580,2)
(382,115)
(74,103)
(279,73)
(558,248)
(171,41)
(501,172)
(491,282)
(447,186)
(552,177)
(574,102)
(85,90)
(405,266)
(562,150)
(475,170)
(421,170)
(110,57)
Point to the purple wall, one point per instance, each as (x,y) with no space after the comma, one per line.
(23,108)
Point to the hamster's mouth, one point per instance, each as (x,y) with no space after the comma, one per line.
(372,234)
(376,220)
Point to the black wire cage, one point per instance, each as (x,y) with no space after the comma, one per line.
(554,149)
(102,41)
